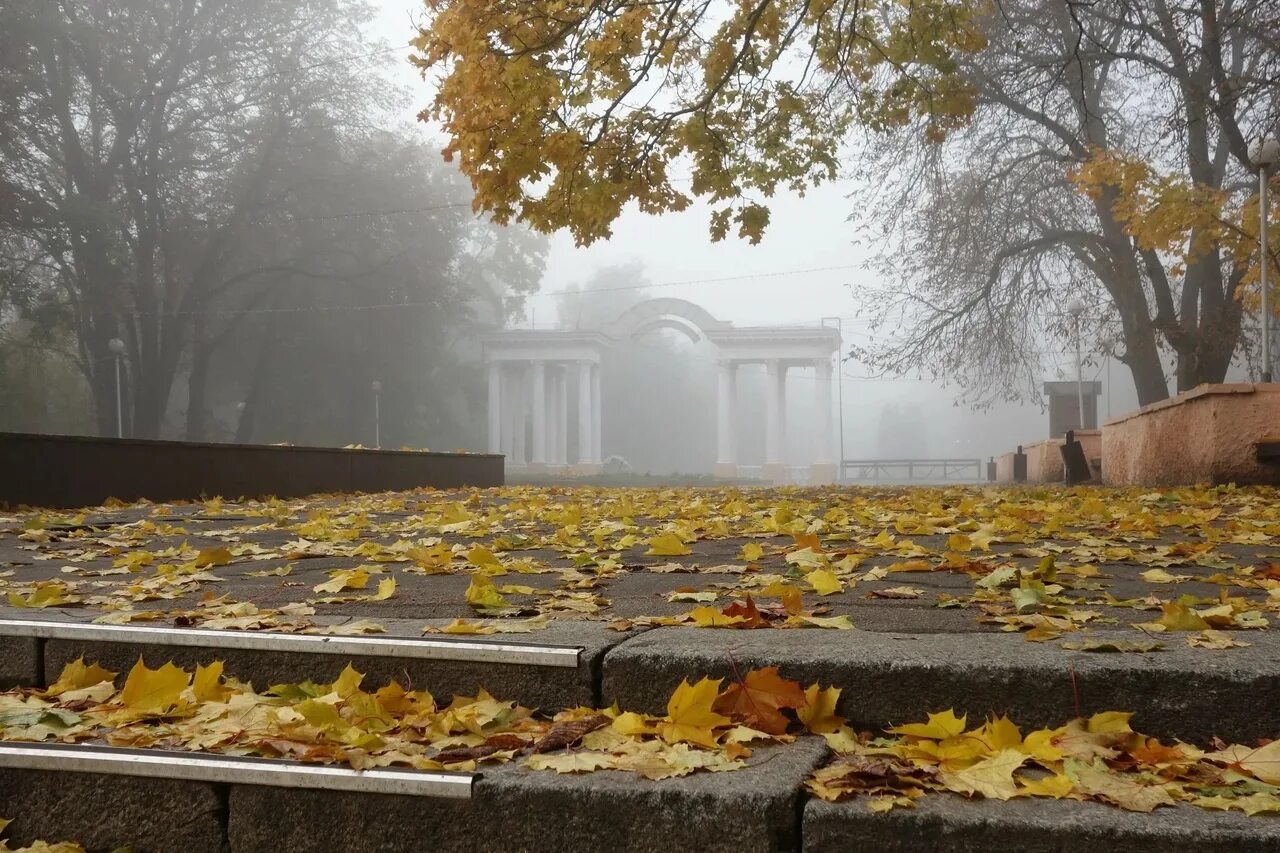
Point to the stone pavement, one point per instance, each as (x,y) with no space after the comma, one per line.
(942,587)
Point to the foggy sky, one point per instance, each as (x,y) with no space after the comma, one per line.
(805,234)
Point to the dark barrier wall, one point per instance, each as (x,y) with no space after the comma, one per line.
(74,471)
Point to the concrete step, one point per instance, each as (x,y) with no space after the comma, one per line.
(556,668)
(956,825)
(1192,694)
(509,808)
(761,808)
(887,679)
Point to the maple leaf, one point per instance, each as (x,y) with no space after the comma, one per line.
(1180,617)
(757,700)
(824,582)
(1261,762)
(991,777)
(153,691)
(748,612)
(483,595)
(76,676)
(572,762)
(1094,778)
(341,579)
(1054,785)
(940,726)
(819,710)
(709,617)
(1219,640)
(690,718)
(667,545)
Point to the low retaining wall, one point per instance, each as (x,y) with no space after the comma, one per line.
(1206,435)
(1044,459)
(74,471)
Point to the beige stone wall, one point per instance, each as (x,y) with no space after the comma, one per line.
(1207,435)
(1044,459)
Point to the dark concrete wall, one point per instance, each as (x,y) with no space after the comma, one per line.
(74,471)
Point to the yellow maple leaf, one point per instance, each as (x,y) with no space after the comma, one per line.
(207,685)
(991,777)
(76,676)
(1180,617)
(1056,786)
(341,579)
(154,691)
(751,552)
(667,545)
(940,726)
(689,716)
(462,626)
(482,594)
(709,617)
(824,582)
(819,712)
(386,589)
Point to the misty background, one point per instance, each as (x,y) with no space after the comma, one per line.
(317,243)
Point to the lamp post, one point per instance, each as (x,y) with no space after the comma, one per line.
(117,349)
(1264,153)
(1075,307)
(377,415)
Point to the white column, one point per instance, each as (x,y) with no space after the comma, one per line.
(586,432)
(562,415)
(774,400)
(538,452)
(519,415)
(596,455)
(822,405)
(727,441)
(495,407)
(508,415)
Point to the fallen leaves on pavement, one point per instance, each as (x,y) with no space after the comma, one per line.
(1100,758)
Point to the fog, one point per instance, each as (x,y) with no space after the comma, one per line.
(811,265)
(329,353)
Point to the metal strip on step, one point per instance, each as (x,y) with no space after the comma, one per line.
(468,651)
(229,769)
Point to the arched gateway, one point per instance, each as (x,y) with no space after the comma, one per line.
(529,369)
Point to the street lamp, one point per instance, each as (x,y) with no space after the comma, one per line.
(117,349)
(1075,307)
(1264,153)
(377,415)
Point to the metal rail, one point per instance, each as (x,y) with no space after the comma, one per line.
(230,769)
(469,651)
(944,470)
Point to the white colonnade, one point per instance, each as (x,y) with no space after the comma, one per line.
(531,373)
(822,461)
(529,410)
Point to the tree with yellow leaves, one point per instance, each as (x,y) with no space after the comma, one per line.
(1107,159)
(562,112)
(1001,172)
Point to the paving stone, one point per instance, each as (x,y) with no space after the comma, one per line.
(1192,694)
(20,662)
(956,825)
(754,809)
(105,812)
(547,688)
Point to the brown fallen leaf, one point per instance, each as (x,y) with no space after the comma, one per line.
(569,732)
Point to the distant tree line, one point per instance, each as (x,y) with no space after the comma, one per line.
(223,187)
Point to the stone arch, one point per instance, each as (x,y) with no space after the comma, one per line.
(683,316)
